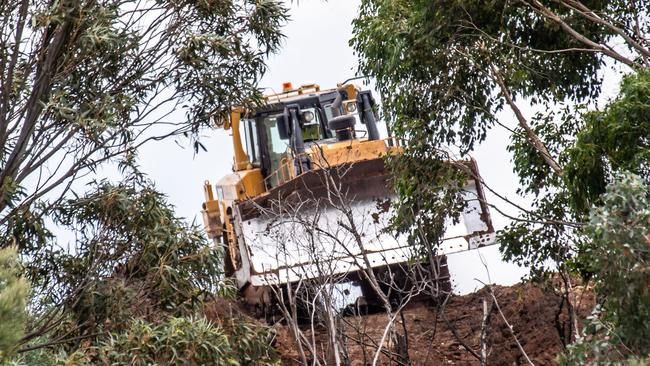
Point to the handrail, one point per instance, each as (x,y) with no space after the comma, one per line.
(283,173)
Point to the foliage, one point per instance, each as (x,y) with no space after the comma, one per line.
(82,81)
(127,235)
(135,280)
(132,257)
(433,63)
(433,187)
(608,140)
(617,254)
(174,341)
(614,139)
(14,292)
(85,83)
(599,345)
(447,69)
(186,341)
(435,70)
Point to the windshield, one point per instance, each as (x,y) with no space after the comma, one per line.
(275,145)
(249,126)
(277,142)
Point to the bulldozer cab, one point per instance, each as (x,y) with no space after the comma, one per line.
(287,126)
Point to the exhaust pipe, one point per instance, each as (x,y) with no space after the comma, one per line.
(301,162)
(365,101)
(343,126)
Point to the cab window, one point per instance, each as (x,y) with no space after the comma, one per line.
(276,146)
(251,140)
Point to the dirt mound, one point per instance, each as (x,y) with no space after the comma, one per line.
(439,335)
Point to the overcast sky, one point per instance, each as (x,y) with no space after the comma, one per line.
(316,50)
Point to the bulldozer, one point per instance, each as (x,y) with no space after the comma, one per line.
(310,195)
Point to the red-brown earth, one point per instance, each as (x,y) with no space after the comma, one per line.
(537,317)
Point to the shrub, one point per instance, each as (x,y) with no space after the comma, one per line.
(617,256)
(14,291)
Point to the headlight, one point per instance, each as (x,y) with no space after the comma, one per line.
(308,116)
(351,107)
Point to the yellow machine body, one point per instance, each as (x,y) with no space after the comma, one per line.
(247,182)
(316,130)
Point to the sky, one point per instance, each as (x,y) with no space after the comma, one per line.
(316,50)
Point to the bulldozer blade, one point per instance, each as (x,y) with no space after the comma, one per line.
(336,222)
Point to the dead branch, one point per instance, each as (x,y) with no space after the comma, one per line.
(543,10)
(460,339)
(535,141)
(508,325)
(487,315)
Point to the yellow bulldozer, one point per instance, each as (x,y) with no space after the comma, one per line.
(310,195)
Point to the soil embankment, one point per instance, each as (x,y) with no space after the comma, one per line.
(538,319)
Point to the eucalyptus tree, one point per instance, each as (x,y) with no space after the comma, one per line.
(446,69)
(83,83)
